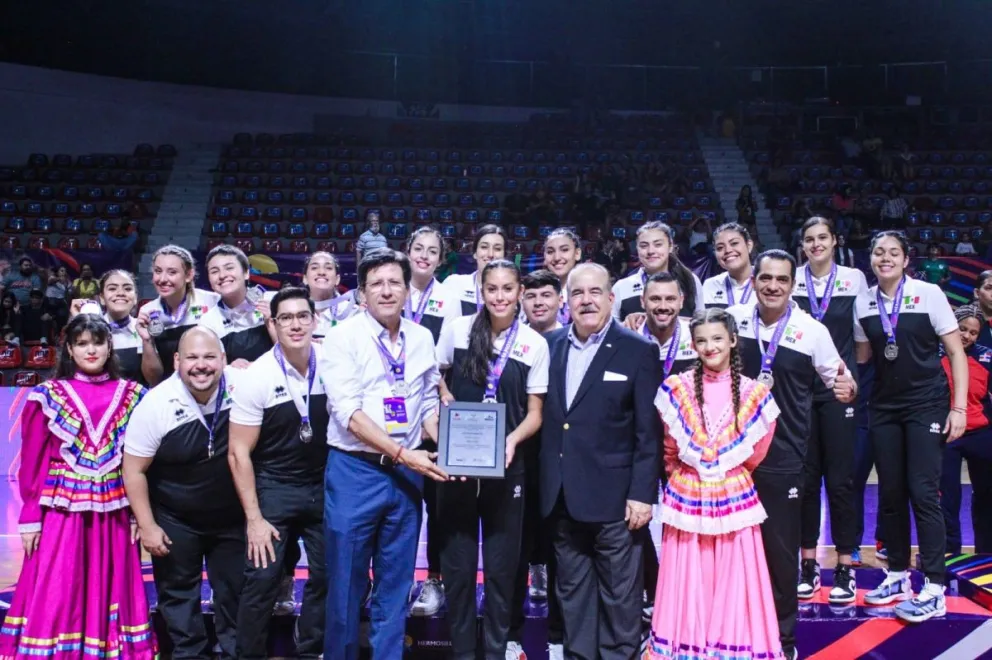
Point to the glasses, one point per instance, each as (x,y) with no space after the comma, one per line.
(286,320)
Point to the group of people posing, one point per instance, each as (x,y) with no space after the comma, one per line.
(226,428)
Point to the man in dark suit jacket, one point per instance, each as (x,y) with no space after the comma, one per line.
(599,468)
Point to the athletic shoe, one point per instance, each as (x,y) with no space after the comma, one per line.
(856,558)
(928,604)
(430,600)
(881,552)
(809,579)
(286,601)
(538,589)
(845,589)
(556,652)
(515,652)
(894,587)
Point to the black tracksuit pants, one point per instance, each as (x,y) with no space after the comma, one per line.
(781,494)
(178,580)
(975,447)
(830,457)
(499,504)
(908,448)
(296,511)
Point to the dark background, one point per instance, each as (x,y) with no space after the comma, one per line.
(636,54)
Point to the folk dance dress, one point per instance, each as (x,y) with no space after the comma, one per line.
(80,594)
(714,597)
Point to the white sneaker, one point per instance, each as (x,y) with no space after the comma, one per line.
(556,652)
(515,652)
(286,602)
(895,586)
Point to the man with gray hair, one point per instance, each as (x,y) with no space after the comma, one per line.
(599,468)
(182,495)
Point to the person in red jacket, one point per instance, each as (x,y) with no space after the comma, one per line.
(975,446)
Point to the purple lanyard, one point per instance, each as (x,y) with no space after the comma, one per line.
(333,307)
(180,311)
(496,366)
(478,298)
(119,325)
(304,410)
(889,321)
(564,316)
(768,357)
(673,346)
(395,367)
(421,307)
(745,294)
(819,309)
(212,429)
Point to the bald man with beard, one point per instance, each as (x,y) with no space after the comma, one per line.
(181,493)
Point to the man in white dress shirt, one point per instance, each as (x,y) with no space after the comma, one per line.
(381,381)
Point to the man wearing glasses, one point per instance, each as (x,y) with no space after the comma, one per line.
(277,454)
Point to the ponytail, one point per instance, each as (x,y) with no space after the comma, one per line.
(480,339)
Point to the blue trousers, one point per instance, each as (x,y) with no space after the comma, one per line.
(371,514)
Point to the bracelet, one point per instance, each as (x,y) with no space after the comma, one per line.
(959,410)
(396,458)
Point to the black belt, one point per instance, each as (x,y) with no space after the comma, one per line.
(370,457)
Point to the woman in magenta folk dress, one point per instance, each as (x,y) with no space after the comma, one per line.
(80,593)
(714,597)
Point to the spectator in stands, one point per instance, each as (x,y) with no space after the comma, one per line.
(851,149)
(934,269)
(631,190)
(843,204)
(10,318)
(541,210)
(613,255)
(85,287)
(23,281)
(36,319)
(119,238)
(57,295)
(893,213)
(907,163)
(843,254)
(859,236)
(515,204)
(370,239)
(747,209)
(965,247)
(586,208)
(700,235)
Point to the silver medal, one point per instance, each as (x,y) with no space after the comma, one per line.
(306,432)
(401,389)
(766,379)
(489,399)
(155,325)
(255,294)
(891,352)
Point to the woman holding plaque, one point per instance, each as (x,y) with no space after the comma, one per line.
(321,276)
(489,357)
(827,292)
(714,590)
(488,244)
(179,305)
(901,324)
(562,251)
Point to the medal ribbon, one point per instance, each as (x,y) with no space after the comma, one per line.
(889,321)
(302,407)
(564,316)
(745,294)
(673,346)
(212,426)
(496,366)
(819,309)
(768,356)
(421,306)
(395,367)
(335,304)
(180,311)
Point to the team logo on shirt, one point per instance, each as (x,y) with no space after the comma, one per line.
(520,350)
(198,310)
(718,293)
(638,286)
(280,390)
(849,413)
(743,324)
(181,414)
(792,335)
(434,305)
(985,357)
(935,428)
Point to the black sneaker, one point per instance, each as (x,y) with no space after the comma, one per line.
(845,589)
(809,579)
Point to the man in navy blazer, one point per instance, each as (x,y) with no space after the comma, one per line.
(599,468)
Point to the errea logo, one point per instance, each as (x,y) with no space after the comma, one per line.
(793,493)
(935,428)
(849,413)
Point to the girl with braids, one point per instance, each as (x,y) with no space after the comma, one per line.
(714,592)
(490,356)
(562,251)
(732,246)
(656,252)
(434,306)
(975,446)
(179,305)
(489,243)
(321,276)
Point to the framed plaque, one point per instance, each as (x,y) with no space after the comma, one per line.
(472,439)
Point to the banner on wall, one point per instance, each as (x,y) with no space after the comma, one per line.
(101,261)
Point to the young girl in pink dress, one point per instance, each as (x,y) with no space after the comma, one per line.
(714,597)
(80,593)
